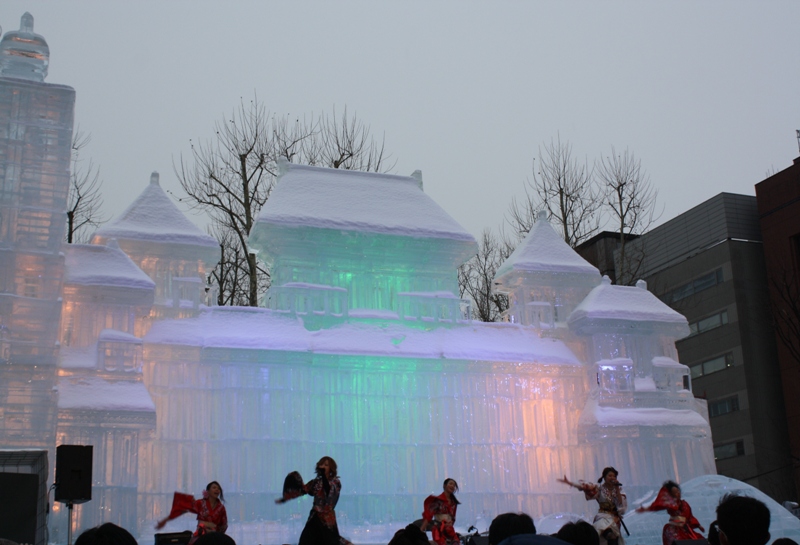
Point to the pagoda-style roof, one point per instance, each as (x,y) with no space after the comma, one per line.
(348,200)
(97,265)
(544,254)
(634,308)
(154,218)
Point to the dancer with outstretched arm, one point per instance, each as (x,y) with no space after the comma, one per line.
(211,514)
(612,502)
(321,527)
(682,524)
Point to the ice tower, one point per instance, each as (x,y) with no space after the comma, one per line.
(353,243)
(641,414)
(544,278)
(35,145)
(168,247)
(102,399)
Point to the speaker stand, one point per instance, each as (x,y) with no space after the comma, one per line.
(69,524)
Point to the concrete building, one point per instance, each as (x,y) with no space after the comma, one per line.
(778,199)
(708,264)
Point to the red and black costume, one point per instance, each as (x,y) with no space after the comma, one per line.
(440,513)
(185,503)
(321,527)
(681,523)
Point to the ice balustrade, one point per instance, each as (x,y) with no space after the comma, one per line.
(301,299)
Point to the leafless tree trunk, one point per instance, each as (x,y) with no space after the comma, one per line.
(84,198)
(630,201)
(786,308)
(566,189)
(476,278)
(231,177)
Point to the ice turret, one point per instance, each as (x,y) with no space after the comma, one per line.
(640,392)
(23,53)
(35,147)
(344,242)
(544,278)
(165,245)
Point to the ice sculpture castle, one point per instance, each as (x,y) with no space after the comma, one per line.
(362,350)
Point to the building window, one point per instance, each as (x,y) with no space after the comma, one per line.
(695,286)
(723,406)
(713,365)
(708,323)
(729,450)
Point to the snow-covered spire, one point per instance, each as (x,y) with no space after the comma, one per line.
(544,254)
(154,178)
(23,53)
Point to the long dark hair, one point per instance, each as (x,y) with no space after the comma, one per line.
(326,485)
(209,485)
(444,484)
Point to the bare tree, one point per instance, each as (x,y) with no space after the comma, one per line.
(84,199)
(566,189)
(629,199)
(476,278)
(786,307)
(231,177)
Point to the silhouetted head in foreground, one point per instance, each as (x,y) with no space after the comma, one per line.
(579,533)
(106,534)
(510,524)
(214,538)
(742,520)
(410,535)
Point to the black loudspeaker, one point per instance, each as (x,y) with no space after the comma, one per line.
(178,538)
(73,473)
(690,542)
(19,506)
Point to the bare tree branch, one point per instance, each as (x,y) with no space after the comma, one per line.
(84,199)
(232,175)
(476,277)
(566,189)
(630,200)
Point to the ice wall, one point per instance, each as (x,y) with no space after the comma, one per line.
(35,142)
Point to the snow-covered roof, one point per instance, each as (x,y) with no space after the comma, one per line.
(544,251)
(95,393)
(629,303)
(114,335)
(256,328)
(597,415)
(153,217)
(348,200)
(97,265)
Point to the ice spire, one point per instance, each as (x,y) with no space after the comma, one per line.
(154,178)
(23,53)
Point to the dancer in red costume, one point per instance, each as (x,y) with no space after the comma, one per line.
(681,523)
(211,514)
(439,514)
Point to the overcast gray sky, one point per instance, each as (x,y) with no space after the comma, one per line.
(706,94)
